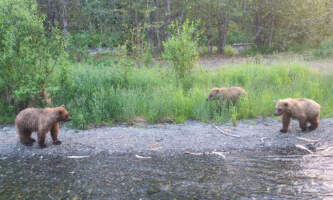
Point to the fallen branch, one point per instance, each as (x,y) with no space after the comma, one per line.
(328,149)
(303,148)
(306,139)
(218,153)
(155,149)
(263,139)
(142,157)
(205,153)
(223,132)
(192,153)
(77,157)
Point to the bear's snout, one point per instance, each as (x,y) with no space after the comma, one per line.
(277,113)
(69,118)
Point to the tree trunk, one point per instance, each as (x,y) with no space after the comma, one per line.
(258,23)
(270,37)
(168,16)
(150,37)
(220,45)
(64,18)
(225,32)
(159,42)
(209,44)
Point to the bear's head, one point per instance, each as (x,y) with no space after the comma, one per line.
(213,94)
(282,106)
(63,114)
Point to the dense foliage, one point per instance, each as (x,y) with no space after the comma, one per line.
(269,25)
(27,55)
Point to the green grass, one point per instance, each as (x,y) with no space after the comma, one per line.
(118,93)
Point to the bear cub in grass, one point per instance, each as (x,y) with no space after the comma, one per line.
(226,94)
(304,110)
(41,121)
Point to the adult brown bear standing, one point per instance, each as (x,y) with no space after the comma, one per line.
(41,121)
(226,94)
(302,109)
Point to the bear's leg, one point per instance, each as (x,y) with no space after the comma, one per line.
(285,123)
(29,137)
(302,124)
(314,123)
(25,137)
(54,134)
(41,138)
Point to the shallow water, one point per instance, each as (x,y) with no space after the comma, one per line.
(245,175)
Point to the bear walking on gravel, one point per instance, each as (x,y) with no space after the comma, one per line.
(41,121)
(304,110)
(226,94)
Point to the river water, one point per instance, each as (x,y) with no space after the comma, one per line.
(238,175)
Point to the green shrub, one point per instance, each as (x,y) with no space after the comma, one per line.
(325,50)
(229,51)
(28,55)
(181,49)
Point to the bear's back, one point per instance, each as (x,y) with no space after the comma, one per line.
(310,107)
(28,118)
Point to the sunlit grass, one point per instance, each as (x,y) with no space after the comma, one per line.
(104,93)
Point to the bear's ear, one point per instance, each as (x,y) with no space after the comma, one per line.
(60,112)
(286,104)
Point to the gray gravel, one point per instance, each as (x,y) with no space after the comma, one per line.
(255,135)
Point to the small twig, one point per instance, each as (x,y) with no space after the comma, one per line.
(223,132)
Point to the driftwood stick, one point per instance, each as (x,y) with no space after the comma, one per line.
(224,133)
(306,139)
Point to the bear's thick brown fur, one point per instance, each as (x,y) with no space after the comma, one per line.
(226,94)
(41,121)
(304,110)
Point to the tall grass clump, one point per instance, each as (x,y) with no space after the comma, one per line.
(114,93)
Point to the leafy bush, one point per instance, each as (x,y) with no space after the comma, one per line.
(181,49)
(236,36)
(229,51)
(325,50)
(28,54)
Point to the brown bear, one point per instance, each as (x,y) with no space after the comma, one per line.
(41,121)
(304,110)
(226,94)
